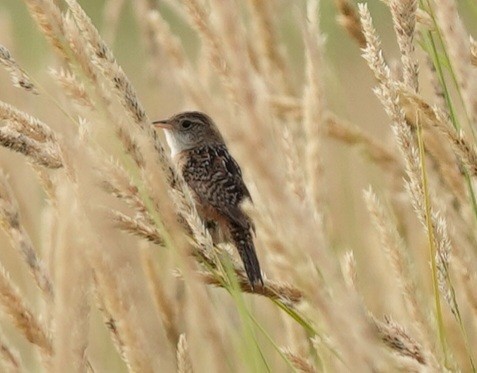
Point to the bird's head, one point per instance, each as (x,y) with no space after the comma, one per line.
(188,130)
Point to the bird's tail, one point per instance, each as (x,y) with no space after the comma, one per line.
(242,238)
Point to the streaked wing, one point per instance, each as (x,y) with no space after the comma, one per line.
(216,178)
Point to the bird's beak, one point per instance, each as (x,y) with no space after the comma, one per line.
(162,124)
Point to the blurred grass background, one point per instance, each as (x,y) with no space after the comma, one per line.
(349,86)
(349,93)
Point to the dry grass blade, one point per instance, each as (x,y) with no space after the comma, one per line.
(70,339)
(431,218)
(116,181)
(105,61)
(459,51)
(348,133)
(122,299)
(422,16)
(286,106)
(473,51)
(295,176)
(348,267)
(184,363)
(404,21)
(137,226)
(131,146)
(46,182)
(393,336)
(314,106)
(272,289)
(49,19)
(110,323)
(10,221)
(270,54)
(439,119)
(299,363)
(72,87)
(393,245)
(215,47)
(388,95)
(164,39)
(26,124)
(164,303)
(22,317)
(341,130)
(396,338)
(82,55)
(348,18)
(41,153)
(19,77)
(9,358)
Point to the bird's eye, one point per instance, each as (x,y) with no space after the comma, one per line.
(186,124)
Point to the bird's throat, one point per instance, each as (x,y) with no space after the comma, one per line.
(174,145)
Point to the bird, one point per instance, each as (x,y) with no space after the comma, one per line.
(200,155)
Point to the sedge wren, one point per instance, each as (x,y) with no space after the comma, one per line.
(200,155)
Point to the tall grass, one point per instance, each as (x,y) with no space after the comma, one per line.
(369,257)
